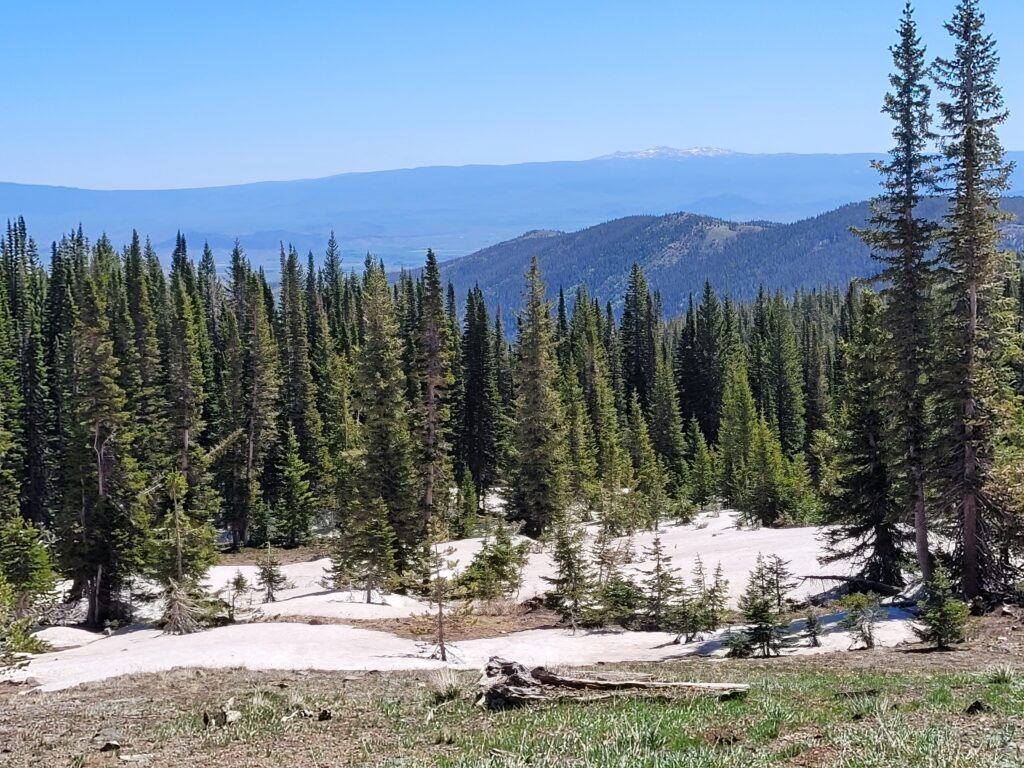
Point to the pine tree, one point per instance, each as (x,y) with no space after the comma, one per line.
(648,497)
(765,475)
(434,365)
(785,372)
(481,406)
(372,554)
(973,388)
(581,458)
(710,361)
(864,510)
(738,423)
(536,491)
(269,576)
(26,563)
(298,391)
(666,425)
(901,239)
(572,581)
(702,473)
(638,338)
(104,533)
(36,491)
(296,504)
(944,618)
(661,587)
(759,610)
(387,473)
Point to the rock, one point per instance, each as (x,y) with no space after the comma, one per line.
(325,714)
(1006,610)
(109,739)
(136,759)
(978,707)
(221,718)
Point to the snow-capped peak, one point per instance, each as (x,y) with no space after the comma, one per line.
(667,153)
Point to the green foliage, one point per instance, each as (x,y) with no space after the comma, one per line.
(943,617)
(497,568)
(813,628)
(702,471)
(537,463)
(367,555)
(863,612)
(759,606)
(661,586)
(270,579)
(15,628)
(737,432)
(700,607)
(974,399)
(296,504)
(26,564)
(572,581)
(613,602)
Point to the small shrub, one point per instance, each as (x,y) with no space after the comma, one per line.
(758,604)
(812,628)
(863,612)
(269,577)
(739,645)
(944,618)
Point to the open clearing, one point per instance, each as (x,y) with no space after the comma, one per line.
(890,707)
(369,667)
(313,627)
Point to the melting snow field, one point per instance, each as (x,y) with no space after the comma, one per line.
(80,656)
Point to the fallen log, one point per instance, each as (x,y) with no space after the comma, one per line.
(514,686)
(886,590)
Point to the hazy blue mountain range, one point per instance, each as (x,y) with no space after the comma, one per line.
(679,251)
(398,214)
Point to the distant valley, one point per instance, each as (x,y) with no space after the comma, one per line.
(398,214)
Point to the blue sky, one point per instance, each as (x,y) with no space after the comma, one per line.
(177,94)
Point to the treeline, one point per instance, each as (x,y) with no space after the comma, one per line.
(145,409)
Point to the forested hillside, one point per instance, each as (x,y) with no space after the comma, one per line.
(149,409)
(681,250)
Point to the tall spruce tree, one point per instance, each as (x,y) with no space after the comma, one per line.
(901,239)
(387,473)
(536,474)
(974,399)
(104,534)
(434,367)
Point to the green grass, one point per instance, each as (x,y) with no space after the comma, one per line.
(793,715)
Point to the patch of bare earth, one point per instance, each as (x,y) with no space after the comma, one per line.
(251,555)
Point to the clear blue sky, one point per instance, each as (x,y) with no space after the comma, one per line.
(179,93)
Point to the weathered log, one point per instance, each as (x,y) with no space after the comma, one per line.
(514,686)
(550,678)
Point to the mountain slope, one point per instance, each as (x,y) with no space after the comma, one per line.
(454,210)
(680,251)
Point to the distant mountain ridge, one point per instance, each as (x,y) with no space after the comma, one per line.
(456,211)
(679,251)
